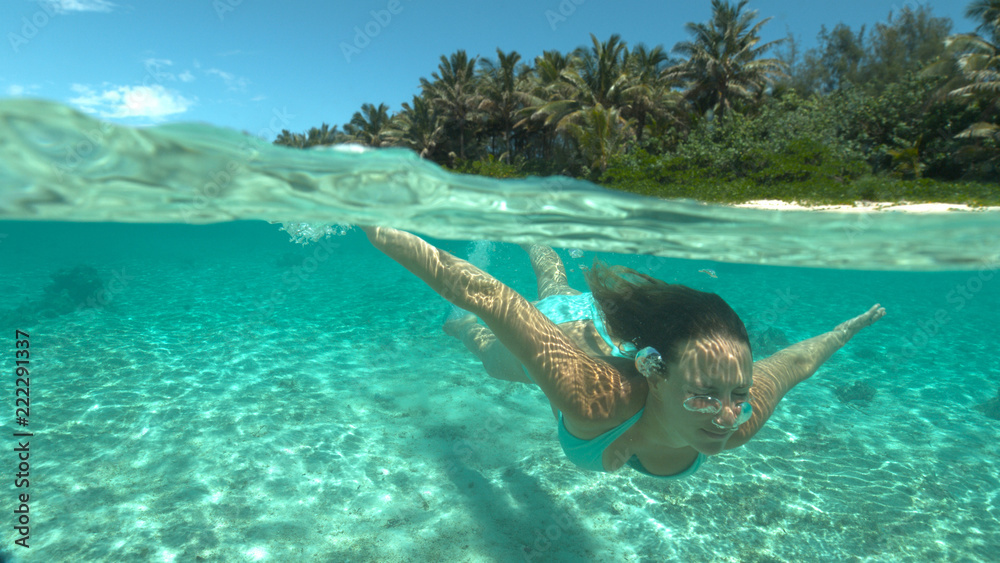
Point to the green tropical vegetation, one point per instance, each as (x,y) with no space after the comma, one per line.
(902,110)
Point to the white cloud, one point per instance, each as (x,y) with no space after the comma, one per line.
(233,82)
(64,6)
(154,102)
(21,89)
(157,62)
(157,70)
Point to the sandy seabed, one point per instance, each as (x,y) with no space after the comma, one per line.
(201,418)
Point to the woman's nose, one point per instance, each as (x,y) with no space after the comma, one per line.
(729,414)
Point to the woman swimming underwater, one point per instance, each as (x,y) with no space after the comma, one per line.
(640,372)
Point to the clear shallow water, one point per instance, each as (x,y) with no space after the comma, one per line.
(196,416)
(242,398)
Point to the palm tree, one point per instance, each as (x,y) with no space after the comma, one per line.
(316,136)
(453,92)
(596,77)
(323,135)
(589,91)
(601,73)
(971,69)
(544,83)
(979,64)
(500,95)
(547,75)
(988,13)
(289,139)
(978,61)
(724,65)
(418,127)
(600,134)
(370,126)
(649,91)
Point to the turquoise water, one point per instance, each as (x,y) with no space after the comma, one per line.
(224,394)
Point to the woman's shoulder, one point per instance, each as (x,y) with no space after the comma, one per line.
(611,402)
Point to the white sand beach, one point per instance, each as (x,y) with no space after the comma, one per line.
(866,207)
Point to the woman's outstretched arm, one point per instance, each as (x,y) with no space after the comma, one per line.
(776,375)
(584,388)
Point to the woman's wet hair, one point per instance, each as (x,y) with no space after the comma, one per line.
(649,312)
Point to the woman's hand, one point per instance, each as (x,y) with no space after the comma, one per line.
(864,320)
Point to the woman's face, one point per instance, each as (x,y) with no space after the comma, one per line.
(717,367)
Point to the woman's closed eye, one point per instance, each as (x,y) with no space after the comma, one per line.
(736,397)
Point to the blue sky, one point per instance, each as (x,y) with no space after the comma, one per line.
(263,66)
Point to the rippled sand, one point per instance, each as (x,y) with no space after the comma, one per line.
(229,407)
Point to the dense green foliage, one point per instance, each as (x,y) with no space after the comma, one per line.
(900,110)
